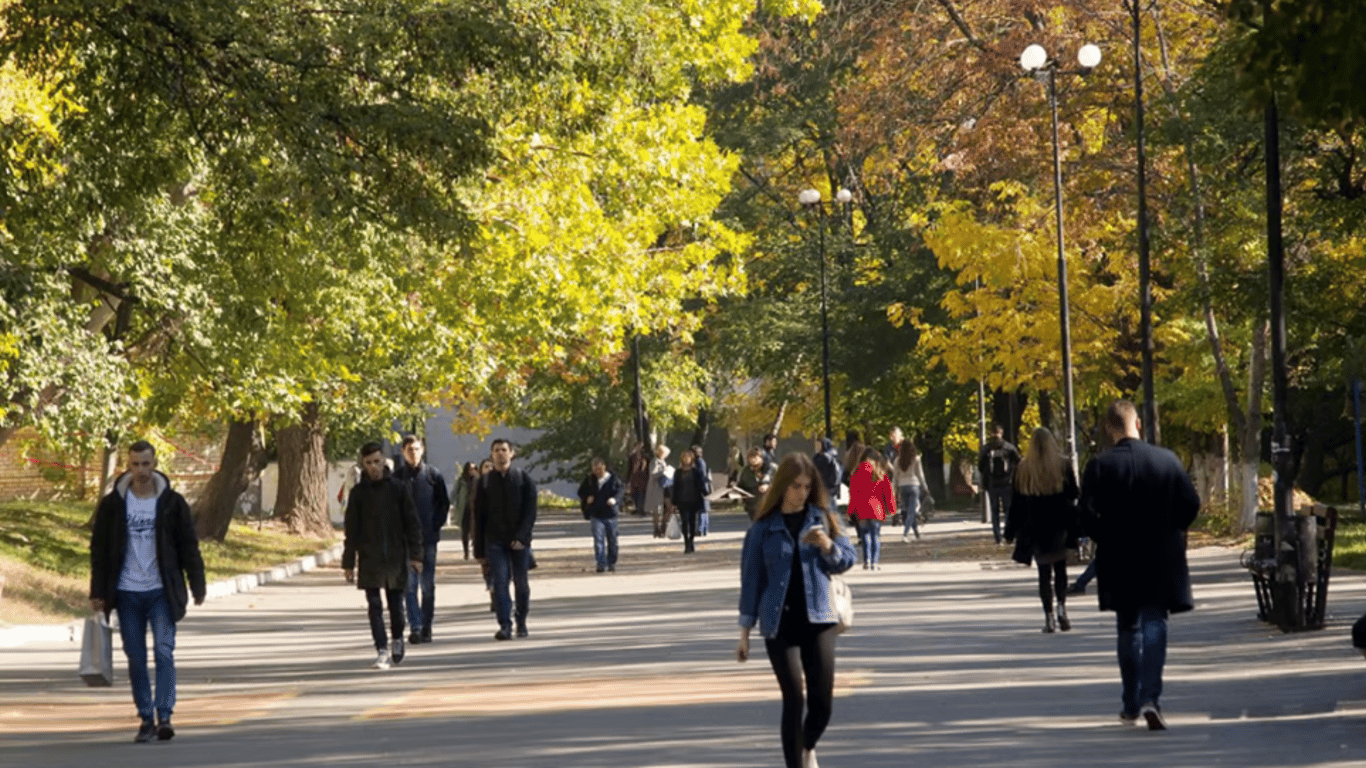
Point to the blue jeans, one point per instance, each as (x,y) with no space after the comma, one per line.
(420,617)
(136,611)
(703,522)
(506,563)
(1142,653)
(870,536)
(1088,574)
(999,499)
(908,502)
(605,541)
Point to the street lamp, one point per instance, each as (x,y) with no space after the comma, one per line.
(811,198)
(1036,61)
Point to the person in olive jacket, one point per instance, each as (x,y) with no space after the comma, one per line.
(1137,502)
(383,532)
(142,549)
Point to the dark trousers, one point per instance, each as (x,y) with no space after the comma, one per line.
(508,564)
(688,522)
(1142,650)
(395,599)
(998,496)
(1052,583)
(420,614)
(804,652)
(465,532)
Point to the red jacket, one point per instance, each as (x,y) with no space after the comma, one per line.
(869,499)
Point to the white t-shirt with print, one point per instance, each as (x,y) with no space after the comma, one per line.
(140,573)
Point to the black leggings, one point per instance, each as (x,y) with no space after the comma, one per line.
(807,651)
(1057,588)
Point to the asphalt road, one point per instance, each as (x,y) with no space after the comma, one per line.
(946,667)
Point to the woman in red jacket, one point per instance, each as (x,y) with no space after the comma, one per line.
(871,500)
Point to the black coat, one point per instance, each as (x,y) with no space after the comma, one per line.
(701,485)
(382,532)
(610,489)
(1042,525)
(1137,502)
(430,497)
(505,513)
(177,546)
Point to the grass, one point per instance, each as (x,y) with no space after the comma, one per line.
(1349,544)
(45,558)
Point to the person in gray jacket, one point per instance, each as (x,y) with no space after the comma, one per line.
(383,532)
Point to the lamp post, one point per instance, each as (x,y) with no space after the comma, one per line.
(1145,285)
(811,198)
(1036,61)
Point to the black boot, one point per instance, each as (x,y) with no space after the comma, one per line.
(1063,623)
(1049,625)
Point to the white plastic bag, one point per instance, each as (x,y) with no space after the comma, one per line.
(673,530)
(97,652)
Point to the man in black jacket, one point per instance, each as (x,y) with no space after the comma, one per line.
(383,533)
(433,502)
(996,463)
(504,513)
(142,549)
(827,463)
(1137,502)
(598,497)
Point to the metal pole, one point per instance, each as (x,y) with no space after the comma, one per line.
(642,435)
(982,428)
(1069,440)
(1145,288)
(825,337)
(1361,479)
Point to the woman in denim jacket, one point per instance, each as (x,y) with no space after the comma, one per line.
(789,554)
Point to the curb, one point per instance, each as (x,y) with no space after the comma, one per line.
(70,632)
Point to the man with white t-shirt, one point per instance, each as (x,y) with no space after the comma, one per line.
(142,549)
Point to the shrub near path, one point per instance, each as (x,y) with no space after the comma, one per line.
(45,558)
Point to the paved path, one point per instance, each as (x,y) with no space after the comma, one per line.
(947,667)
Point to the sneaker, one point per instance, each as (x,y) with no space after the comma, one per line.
(502,634)
(427,635)
(905,538)
(1128,718)
(381,660)
(809,758)
(415,638)
(397,653)
(164,730)
(1153,714)
(1077,589)
(521,631)
(601,568)
(146,732)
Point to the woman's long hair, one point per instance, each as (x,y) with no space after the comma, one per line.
(906,455)
(1041,470)
(872,456)
(793,466)
(470,471)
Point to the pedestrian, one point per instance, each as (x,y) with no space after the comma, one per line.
(384,534)
(909,477)
(754,479)
(893,447)
(827,463)
(143,548)
(433,504)
(1043,522)
(689,495)
(464,497)
(638,477)
(505,511)
(703,516)
(598,498)
(485,467)
(771,452)
(997,462)
(1136,503)
(789,554)
(871,501)
(657,496)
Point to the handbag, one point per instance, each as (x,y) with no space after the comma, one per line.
(97,652)
(843,601)
(673,530)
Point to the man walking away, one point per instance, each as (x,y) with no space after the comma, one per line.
(142,550)
(827,463)
(997,462)
(598,496)
(504,513)
(433,504)
(383,530)
(1137,502)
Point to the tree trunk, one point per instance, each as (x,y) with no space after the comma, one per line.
(932,461)
(244,457)
(777,427)
(699,435)
(1006,410)
(1250,441)
(301,500)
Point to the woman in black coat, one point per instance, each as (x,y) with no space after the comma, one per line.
(1043,521)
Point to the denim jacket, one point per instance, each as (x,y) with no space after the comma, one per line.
(766,568)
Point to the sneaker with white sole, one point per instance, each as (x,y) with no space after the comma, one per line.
(1153,714)
(809,758)
(381,660)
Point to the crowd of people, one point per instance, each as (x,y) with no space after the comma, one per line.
(1134,500)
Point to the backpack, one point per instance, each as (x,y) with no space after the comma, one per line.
(1000,464)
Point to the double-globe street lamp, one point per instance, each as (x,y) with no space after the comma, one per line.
(1036,61)
(811,199)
